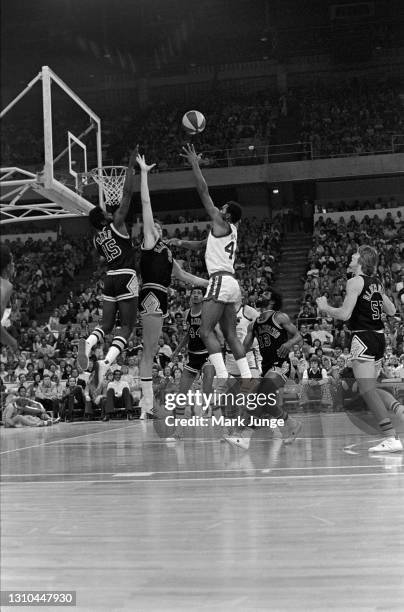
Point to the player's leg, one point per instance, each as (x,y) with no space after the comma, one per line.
(127,315)
(208,375)
(391,403)
(212,312)
(365,373)
(270,385)
(187,379)
(109,309)
(152,326)
(228,323)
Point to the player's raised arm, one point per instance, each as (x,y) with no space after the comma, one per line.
(128,187)
(149,229)
(353,288)
(193,159)
(192,245)
(186,277)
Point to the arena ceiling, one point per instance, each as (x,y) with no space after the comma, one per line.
(144,37)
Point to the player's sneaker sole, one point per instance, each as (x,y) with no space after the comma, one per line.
(82,359)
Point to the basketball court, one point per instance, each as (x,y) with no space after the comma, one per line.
(131,522)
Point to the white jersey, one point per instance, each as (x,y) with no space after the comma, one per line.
(245,316)
(221,252)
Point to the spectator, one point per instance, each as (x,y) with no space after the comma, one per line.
(118,396)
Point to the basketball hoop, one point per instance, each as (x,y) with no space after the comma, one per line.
(111,179)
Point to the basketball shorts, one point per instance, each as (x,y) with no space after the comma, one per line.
(223,288)
(281,370)
(196,361)
(120,285)
(153,301)
(368,345)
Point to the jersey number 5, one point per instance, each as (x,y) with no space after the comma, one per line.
(229,248)
(377,309)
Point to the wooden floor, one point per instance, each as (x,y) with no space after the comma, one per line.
(131,522)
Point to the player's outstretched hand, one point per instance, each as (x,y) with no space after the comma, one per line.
(174,242)
(191,155)
(142,163)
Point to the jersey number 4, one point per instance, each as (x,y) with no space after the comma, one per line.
(229,248)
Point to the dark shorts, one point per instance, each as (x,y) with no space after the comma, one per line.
(153,301)
(120,285)
(367,345)
(281,369)
(196,362)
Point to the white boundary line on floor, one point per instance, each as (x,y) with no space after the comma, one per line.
(125,474)
(91,433)
(202,479)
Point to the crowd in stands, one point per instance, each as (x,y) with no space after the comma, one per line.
(349,119)
(362,204)
(229,122)
(352,118)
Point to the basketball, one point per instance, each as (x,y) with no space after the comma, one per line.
(193,122)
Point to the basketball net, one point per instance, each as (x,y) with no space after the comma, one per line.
(111,179)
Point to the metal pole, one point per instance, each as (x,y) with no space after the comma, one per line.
(20,95)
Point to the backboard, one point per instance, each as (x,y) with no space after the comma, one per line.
(67,144)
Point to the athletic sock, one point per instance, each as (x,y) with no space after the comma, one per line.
(243,367)
(387,428)
(397,409)
(97,335)
(147,394)
(217,361)
(118,345)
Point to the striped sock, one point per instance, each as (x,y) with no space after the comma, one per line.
(387,428)
(118,345)
(97,335)
(397,409)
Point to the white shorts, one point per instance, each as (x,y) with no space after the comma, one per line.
(223,288)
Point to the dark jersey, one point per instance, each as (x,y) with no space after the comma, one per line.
(270,336)
(367,313)
(116,248)
(195,344)
(156,265)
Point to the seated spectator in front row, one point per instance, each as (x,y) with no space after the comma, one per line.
(46,395)
(315,384)
(118,395)
(73,399)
